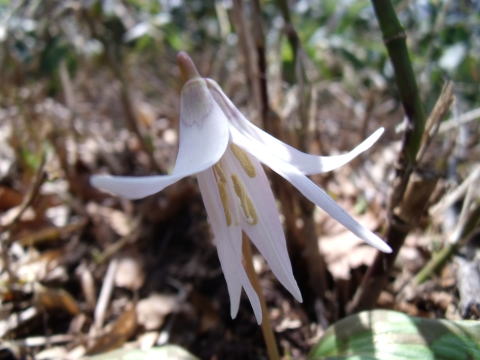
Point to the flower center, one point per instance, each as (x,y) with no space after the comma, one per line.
(222,171)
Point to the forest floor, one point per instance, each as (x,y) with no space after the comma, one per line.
(84,272)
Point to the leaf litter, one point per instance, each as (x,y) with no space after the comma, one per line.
(166,286)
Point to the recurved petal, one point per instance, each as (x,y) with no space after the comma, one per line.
(227,240)
(134,187)
(310,190)
(204,136)
(306,163)
(319,197)
(267,234)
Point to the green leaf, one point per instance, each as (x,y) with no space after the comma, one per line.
(170,352)
(390,335)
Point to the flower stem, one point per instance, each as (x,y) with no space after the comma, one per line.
(267,331)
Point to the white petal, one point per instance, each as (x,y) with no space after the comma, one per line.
(204,136)
(227,239)
(204,129)
(310,190)
(306,163)
(267,234)
(134,187)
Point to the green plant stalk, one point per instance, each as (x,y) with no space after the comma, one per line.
(436,263)
(398,228)
(440,259)
(394,38)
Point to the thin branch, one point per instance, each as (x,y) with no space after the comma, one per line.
(467,223)
(441,108)
(33,190)
(105,294)
(304,88)
(244,42)
(306,247)
(6,239)
(456,194)
(120,72)
(463,119)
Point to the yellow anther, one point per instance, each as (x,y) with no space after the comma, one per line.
(246,203)
(219,173)
(222,189)
(244,160)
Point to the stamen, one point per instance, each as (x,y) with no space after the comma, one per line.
(243,159)
(219,173)
(246,203)
(222,190)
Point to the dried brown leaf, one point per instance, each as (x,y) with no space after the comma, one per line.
(56,299)
(50,233)
(9,198)
(116,335)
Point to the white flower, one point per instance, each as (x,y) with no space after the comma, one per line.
(224,150)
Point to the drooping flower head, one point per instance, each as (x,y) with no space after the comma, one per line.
(225,151)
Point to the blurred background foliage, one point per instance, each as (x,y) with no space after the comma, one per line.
(135,42)
(341,39)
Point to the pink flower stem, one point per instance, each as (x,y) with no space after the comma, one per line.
(267,331)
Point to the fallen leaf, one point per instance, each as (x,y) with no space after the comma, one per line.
(116,334)
(9,198)
(151,312)
(129,274)
(16,320)
(118,220)
(50,233)
(52,300)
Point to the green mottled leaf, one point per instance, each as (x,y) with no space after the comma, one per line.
(390,335)
(166,352)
